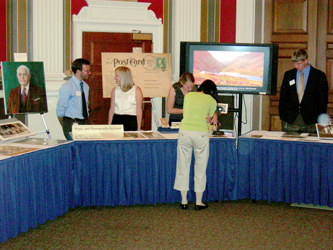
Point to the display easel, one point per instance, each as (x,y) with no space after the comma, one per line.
(23,57)
(46,129)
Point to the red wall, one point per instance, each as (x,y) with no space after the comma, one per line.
(228,21)
(3,37)
(156,6)
(77,5)
(227,24)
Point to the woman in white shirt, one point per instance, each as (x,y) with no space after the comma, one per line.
(126,101)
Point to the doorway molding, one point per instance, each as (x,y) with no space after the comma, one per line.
(116,17)
(119,17)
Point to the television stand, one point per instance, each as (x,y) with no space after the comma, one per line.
(239,111)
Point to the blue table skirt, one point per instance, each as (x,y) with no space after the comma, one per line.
(288,171)
(38,186)
(34,188)
(143,172)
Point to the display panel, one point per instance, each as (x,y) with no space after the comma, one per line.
(234,67)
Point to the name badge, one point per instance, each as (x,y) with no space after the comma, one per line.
(292,82)
(78,93)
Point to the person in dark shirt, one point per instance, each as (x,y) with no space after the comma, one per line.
(176,95)
(299,109)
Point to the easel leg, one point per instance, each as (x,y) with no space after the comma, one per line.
(46,129)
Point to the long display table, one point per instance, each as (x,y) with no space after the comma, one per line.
(38,186)
(143,172)
(296,171)
(34,188)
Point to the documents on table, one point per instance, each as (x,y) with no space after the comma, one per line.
(279,135)
(110,132)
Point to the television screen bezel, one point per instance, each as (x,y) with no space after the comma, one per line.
(270,63)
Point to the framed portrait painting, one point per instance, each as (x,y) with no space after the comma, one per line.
(24,87)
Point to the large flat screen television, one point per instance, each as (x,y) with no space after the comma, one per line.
(234,67)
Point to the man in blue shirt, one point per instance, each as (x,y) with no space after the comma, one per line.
(72,107)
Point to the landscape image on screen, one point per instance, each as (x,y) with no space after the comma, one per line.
(229,68)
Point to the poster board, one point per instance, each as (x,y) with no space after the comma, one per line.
(36,94)
(150,71)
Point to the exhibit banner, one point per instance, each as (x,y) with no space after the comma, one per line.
(96,131)
(150,71)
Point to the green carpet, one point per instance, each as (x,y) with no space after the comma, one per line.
(224,225)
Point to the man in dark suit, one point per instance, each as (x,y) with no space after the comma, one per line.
(27,97)
(303,96)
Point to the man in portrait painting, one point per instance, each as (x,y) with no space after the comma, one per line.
(27,97)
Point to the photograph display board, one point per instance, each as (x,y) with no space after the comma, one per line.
(325,132)
(12,129)
(9,150)
(41,141)
(150,71)
(24,92)
(144,135)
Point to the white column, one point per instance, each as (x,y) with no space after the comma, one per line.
(48,39)
(245,21)
(47,47)
(186,21)
(246,13)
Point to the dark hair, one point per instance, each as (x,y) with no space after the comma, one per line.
(78,63)
(209,88)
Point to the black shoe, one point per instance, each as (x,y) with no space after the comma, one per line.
(200,207)
(183,206)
